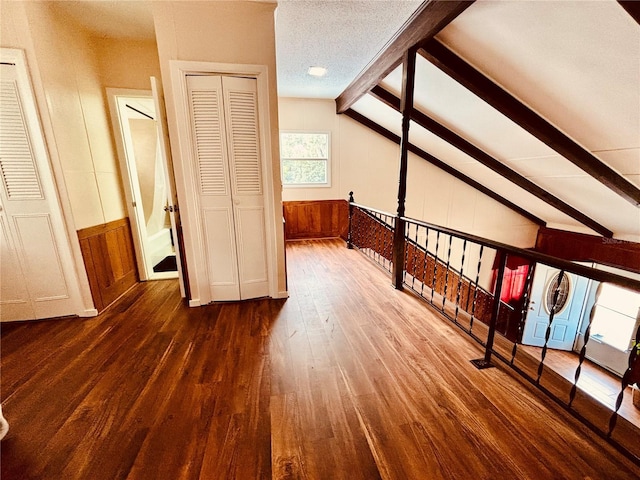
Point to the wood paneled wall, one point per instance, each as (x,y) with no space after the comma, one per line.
(110,261)
(316,219)
(589,248)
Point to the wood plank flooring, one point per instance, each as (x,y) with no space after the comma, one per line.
(347,379)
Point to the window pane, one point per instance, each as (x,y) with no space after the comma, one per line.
(304,171)
(304,145)
(614,319)
(619,299)
(612,328)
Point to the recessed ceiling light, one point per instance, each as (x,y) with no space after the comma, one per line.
(317,71)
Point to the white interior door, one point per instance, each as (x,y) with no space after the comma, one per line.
(223,114)
(567,317)
(172,200)
(36,274)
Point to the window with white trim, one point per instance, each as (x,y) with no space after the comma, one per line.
(304,159)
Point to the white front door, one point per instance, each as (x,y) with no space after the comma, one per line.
(36,271)
(224,126)
(568,312)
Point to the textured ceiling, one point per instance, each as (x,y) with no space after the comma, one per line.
(341,35)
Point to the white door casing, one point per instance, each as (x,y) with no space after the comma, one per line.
(565,321)
(37,273)
(256,215)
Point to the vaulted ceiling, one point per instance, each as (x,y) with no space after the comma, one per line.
(539,102)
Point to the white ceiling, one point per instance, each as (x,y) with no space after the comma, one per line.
(341,35)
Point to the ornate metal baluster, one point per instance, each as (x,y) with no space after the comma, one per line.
(360,241)
(383,232)
(370,235)
(415,258)
(405,261)
(464,251)
(547,335)
(523,313)
(376,237)
(626,379)
(583,351)
(446,275)
(390,228)
(435,266)
(355,226)
(349,234)
(475,290)
(426,257)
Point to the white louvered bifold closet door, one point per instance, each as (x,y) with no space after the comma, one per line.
(227,163)
(34,259)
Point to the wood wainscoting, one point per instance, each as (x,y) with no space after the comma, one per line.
(110,261)
(316,219)
(589,248)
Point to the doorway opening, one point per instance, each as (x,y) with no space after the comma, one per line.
(146,185)
(613,314)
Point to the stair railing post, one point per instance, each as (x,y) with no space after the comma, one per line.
(406,106)
(349,233)
(486,361)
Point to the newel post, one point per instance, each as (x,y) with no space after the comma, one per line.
(349,233)
(406,106)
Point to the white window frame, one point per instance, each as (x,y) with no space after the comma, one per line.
(328,160)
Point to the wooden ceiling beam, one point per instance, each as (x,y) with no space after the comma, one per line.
(488,161)
(358,117)
(431,17)
(512,108)
(632,7)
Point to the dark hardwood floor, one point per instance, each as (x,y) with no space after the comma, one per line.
(347,379)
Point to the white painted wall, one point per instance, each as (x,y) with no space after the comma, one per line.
(367,163)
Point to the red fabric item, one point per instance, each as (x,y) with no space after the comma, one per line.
(515,276)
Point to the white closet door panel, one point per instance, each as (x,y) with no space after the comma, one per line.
(252,258)
(241,110)
(221,253)
(243,137)
(205,98)
(15,303)
(42,264)
(17,161)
